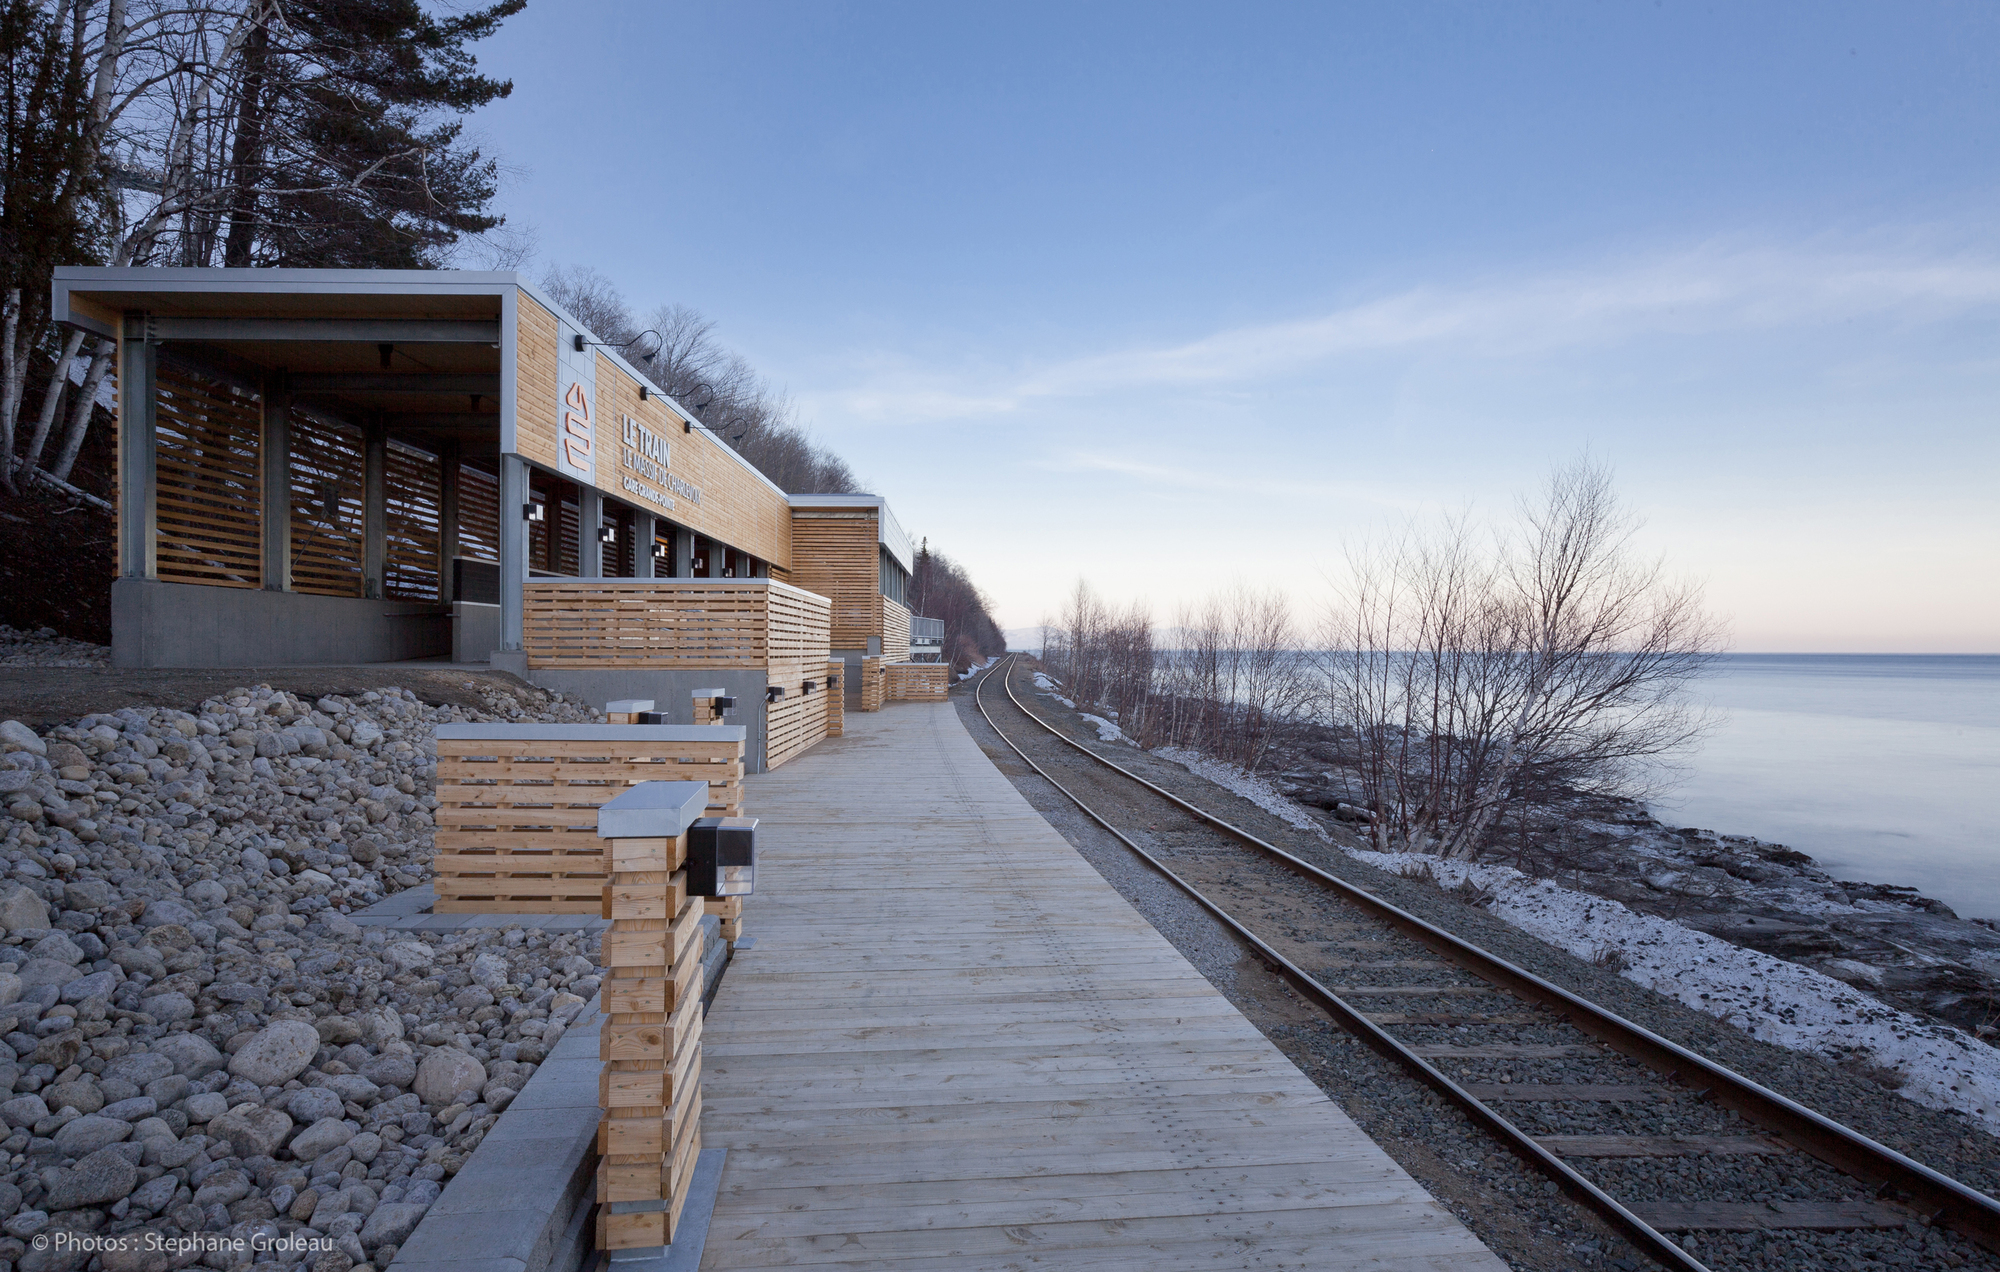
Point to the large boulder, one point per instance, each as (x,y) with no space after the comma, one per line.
(37,972)
(167,910)
(391,1225)
(313,1104)
(58,946)
(251,1129)
(322,1136)
(15,736)
(102,1177)
(141,1068)
(277,1053)
(85,1135)
(447,1071)
(191,1055)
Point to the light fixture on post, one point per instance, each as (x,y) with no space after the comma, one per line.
(722,857)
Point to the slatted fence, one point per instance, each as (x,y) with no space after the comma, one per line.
(517,816)
(328,463)
(415,492)
(210,488)
(916,682)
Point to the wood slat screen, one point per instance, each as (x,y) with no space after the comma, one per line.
(872,686)
(794,724)
(836,698)
(517,820)
(916,682)
(895,632)
(414,485)
(672,623)
(478,514)
(328,464)
(210,487)
(835,554)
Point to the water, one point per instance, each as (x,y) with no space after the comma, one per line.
(1884,767)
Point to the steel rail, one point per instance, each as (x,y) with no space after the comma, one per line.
(1638,1231)
(1936,1197)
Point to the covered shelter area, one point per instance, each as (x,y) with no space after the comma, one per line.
(350,466)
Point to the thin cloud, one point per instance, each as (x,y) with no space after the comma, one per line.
(1714,289)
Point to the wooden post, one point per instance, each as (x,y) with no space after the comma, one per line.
(836,698)
(705,709)
(138,450)
(650,1044)
(277,482)
(626,710)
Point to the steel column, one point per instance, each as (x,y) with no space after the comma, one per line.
(138,450)
(375,511)
(513,547)
(277,495)
(447,519)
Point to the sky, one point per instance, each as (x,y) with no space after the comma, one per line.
(1173,297)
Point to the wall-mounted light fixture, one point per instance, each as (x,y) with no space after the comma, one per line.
(607,534)
(660,552)
(722,857)
(807,687)
(534,512)
(660,343)
(772,693)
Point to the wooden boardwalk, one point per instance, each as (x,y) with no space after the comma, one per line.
(954,1046)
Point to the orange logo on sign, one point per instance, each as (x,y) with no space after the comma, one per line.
(576,425)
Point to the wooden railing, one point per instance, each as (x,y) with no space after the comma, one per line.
(676,624)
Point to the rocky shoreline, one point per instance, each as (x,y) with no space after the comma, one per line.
(193,1036)
(1909,951)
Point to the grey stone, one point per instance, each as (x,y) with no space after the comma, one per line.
(191,1055)
(206,894)
(352,1087)
(24,1110)
(223,1187)
(58,946)
(15,736)
(88,1134)
(251,1129)
(99,1178)
(391,1225)
(322,1136)
(392,1070)
(133,1110)
(313,1104)
(95,985)
(37,972)
(167,910)
(446,1072)
(80,1095)
(278,1053)
(489,971)
(409,956)
(153,1197)
(10,988)
(365,1147)
(168,1008)
(141,1067)
(206,1107)
(88,894)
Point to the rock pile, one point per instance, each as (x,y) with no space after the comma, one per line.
(193,1036)
(44,648)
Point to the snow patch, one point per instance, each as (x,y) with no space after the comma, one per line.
(1768,998)
(1106,731)
(1244,783)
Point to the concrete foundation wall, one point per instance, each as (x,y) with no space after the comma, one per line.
(155,624)
(671,691)
(475,631)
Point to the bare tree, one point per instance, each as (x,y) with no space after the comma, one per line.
(1553,658)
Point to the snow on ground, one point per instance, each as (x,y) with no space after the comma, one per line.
(1049,685)
(1768,998)
(1248,785)
(1106,731)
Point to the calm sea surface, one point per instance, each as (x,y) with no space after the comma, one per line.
(1885,768)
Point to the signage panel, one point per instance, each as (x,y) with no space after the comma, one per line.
(576,408)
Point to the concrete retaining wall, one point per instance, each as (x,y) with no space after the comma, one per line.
(155,624)
(671,691)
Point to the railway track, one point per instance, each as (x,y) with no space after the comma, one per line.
(1575,1091)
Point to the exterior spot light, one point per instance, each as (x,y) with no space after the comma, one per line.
(687,426)
(772,693)
(700,563)
(808,687)
(653,717)
(722,857)
(729,574)
(534,512)
(723,703)
(659,551)
(607,534)
(833,682)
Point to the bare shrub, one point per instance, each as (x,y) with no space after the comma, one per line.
(1471,676)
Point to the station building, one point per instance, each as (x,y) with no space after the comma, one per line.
(356,466)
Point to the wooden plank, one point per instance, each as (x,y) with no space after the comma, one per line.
(1661,1146)
(1770,1216)
(996,1062)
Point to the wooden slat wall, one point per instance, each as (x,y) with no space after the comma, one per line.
(895,632)
(517,821)
(794,724)
(535,379)
(916,682)
(478,514)
(836,699)
(210,489)
(416,503)
(835,553)
(669,623)
(327,468)
(872,687)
